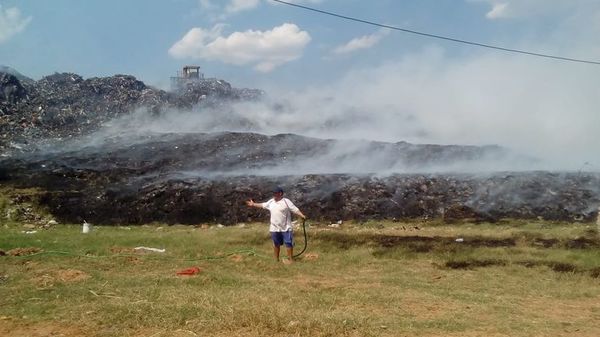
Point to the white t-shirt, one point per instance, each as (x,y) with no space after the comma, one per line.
(281,218)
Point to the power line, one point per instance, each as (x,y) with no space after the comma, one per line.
(437,36)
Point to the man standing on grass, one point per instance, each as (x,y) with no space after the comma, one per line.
(281,222)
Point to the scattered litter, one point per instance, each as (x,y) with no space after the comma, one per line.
(189,271)
(334,225)
(29,232)
(460,240)
(52,223)
(87,227)
(220,226)
(149,249)
(109,295)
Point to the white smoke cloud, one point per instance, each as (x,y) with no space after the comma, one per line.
(11,23)
(362,42)
(533,106)
(265,50)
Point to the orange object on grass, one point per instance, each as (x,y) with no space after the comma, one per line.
(189,271)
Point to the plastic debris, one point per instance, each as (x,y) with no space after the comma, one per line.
(149,249)
(189,271)
(87,227)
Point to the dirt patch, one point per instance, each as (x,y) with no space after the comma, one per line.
(48,280)
(560,267)
(236,258)
(582,243)
(23,251)
(310,256)
(121,250)
(13,329)
(595,272)
(546,243)
(414,243)
(556,266)
(470,264)
(71,275)
(43,281)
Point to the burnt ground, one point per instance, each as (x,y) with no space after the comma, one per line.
(384,245)
(195,178)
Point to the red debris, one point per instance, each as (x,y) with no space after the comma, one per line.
(189,271)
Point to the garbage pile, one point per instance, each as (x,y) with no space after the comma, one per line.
(212,92)
(196,178)
(65,105)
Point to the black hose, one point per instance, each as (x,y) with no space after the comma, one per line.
(305,239)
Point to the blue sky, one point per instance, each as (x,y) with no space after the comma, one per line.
(387,85)
(100,38)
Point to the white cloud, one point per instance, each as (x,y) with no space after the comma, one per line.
(265,50)
(11,23)
(363,42)
(235,6)
(503,9)
(498,11)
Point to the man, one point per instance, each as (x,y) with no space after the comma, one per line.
(281,222)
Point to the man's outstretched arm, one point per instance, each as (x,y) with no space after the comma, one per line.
(251,203)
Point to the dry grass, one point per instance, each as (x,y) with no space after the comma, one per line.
(374,279)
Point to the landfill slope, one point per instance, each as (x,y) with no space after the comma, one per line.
(65,105)
(57,135)
(195,178)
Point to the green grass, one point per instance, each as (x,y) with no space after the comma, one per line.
(515,278)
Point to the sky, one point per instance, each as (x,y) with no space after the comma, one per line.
(340,79)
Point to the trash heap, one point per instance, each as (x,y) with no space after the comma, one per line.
(65,105)
(195,178)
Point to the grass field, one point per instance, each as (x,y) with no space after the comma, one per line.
(514,278)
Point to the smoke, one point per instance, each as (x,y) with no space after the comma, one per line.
(534,108)
(531,107)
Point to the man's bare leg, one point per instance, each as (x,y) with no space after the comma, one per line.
(276,252)
(290,255)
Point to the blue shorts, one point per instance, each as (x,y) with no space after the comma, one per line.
(279,238)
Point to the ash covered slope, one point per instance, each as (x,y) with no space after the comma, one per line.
(190,178)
